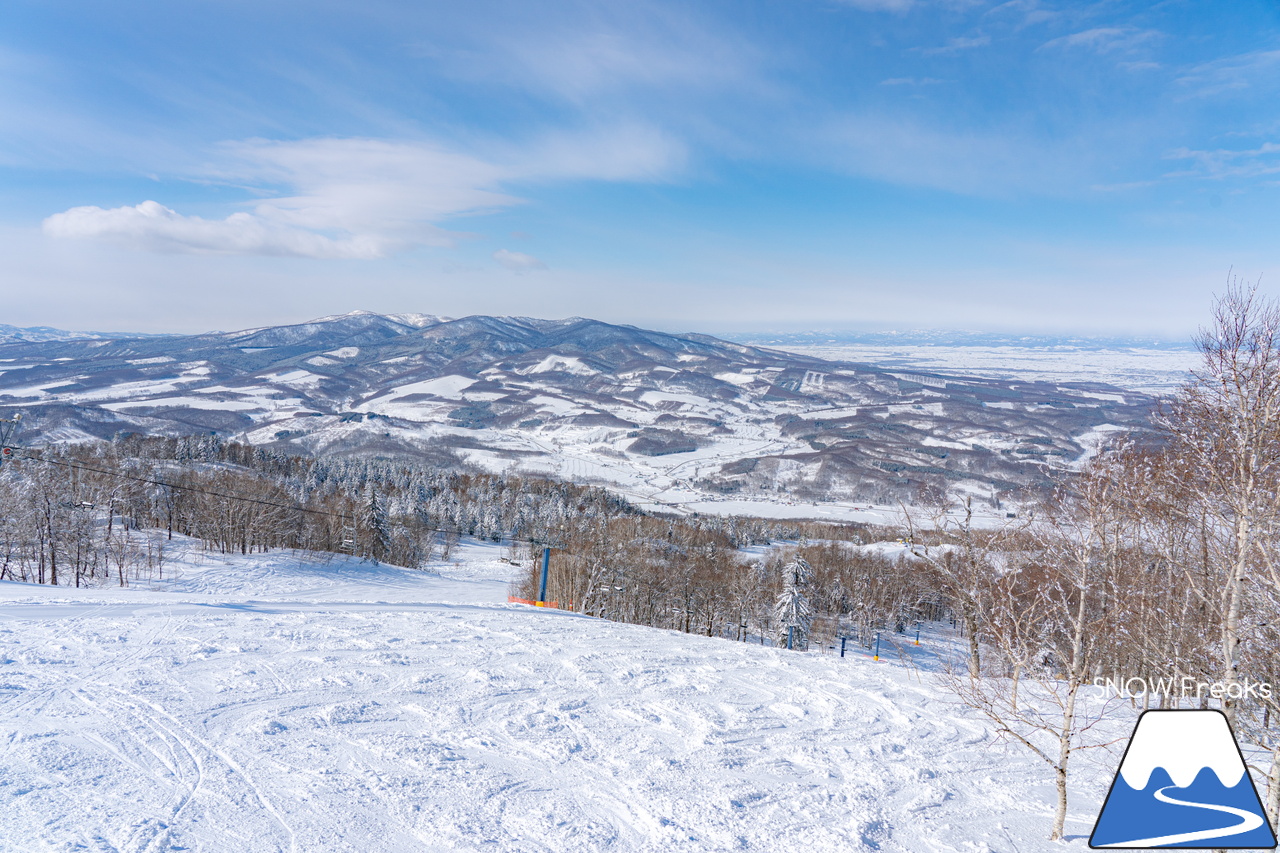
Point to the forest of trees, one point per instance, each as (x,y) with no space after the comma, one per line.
(692,577)
(79,514)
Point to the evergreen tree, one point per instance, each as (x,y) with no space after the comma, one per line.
(793,613)
(376,526)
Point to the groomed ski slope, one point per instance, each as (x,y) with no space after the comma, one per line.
(284,702)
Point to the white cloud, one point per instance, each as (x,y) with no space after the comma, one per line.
(394,191)
(153,226)
(518,261)
(368,198)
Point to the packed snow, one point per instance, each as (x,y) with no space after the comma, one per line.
(293,702)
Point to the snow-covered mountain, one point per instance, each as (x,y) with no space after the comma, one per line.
(667,418)
(10,334)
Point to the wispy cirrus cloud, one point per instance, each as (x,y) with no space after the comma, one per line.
(1262,161)
(992,162)
(1027,12)
(1255,69)
(518,261)
(367,198)
(912,81)
(956,45)
(619,49)
(1105,39)
(880,5)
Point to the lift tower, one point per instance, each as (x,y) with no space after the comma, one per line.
(7,428)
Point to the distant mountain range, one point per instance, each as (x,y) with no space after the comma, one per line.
(911,337)
(43,333)
(656,414)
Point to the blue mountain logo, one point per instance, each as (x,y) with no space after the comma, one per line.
(1183,784)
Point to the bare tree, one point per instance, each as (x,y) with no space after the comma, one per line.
(959,558)
(1051,617)
(1223,428)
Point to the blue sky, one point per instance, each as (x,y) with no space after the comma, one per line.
(839,164)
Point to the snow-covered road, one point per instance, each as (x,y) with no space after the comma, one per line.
(277,702)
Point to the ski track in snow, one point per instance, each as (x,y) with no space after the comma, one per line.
(283,703)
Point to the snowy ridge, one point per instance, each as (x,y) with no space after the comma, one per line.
(36,334)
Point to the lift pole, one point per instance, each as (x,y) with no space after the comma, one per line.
(546,567)
(7,429)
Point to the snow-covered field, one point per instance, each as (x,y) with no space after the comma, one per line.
(1150,370)
(285,702)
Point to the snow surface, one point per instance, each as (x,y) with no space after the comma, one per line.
(559,364)
(555,405)
(295,378)
(449,387)
(250,404)
(1150,370)
(292,702)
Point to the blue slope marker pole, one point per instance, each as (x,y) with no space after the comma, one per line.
(546,566)
(917,632)
(843,640)
(877,654)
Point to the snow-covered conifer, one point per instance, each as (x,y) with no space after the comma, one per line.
(377,528)
(792,612)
